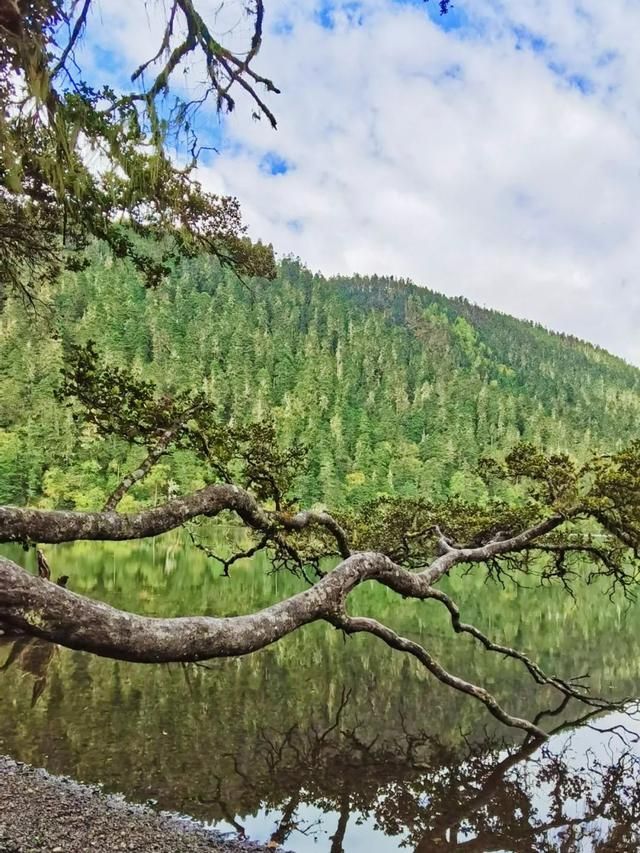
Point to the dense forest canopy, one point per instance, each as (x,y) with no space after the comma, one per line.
(378,399)
(393,389)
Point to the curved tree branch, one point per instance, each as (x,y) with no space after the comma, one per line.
(157,452)
(495,548)
(18,524)
(358,624)
(53,613)
(78,27)
(46,610)
(569,689)
(54,526)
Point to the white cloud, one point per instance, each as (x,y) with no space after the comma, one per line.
(454,158)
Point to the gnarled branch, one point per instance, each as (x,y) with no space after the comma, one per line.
(569,688)
(19,524)
(359,624)
(45,610)
(53,613)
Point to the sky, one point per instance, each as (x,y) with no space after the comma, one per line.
(493,153)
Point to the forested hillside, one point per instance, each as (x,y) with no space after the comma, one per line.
(394,389)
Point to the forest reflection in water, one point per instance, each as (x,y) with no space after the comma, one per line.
(330,745)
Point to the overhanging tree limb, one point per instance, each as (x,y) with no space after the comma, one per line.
(55,614)
(360,624)
(139,202)
(18,524)
(36,606)
(570,688)
(44,610)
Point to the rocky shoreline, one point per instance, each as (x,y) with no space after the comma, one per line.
(41,813)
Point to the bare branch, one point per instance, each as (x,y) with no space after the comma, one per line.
(155,454)
(164,44)
(308,518)
(569,688)
(357,624)
(55,526)
(46,610)
(227,562)
(19,524)
(485,553)
(53,613)
(78,27)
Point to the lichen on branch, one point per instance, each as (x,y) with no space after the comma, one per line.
(419,552)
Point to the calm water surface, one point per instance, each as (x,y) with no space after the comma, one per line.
(327,744)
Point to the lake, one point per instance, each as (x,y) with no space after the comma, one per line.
(328,743)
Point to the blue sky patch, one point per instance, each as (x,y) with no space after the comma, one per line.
(273,164)
(528,40)
(282,26)
(323,15)
(580,82)
(455,19)
(607,58)
(326,10)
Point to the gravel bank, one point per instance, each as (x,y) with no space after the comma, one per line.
(40,813)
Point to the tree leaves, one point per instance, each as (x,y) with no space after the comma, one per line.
(118,403)
(80,161)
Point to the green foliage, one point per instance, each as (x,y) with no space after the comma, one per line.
(554,476)
(9,474)
(119,404)
(395,391)
(408,529)
(614,496)
(53,199)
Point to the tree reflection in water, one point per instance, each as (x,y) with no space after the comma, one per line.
(323,769)
(432,796)
(33,657)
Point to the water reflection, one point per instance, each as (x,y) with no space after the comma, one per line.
(318,744)
(32,657)
(478,797)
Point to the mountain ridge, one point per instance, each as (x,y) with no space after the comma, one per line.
(409,284)
(394,388)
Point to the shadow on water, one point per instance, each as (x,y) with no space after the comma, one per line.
(330,745)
